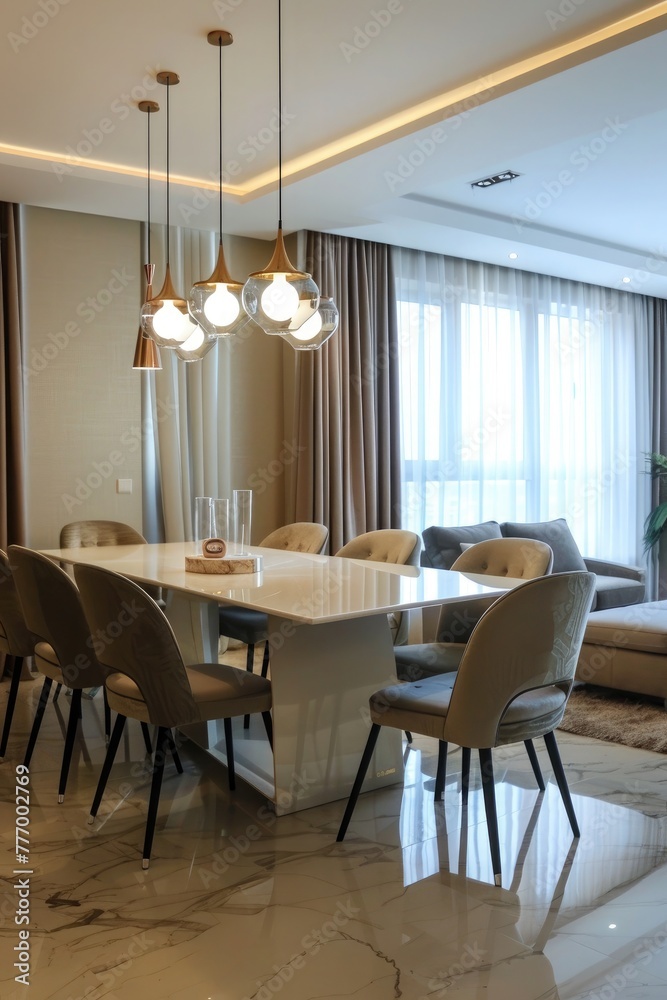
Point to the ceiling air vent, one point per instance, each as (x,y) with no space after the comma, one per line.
(486,182)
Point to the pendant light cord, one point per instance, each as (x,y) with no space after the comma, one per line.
(280,117)
(220,141)
(168,230)
(148,188)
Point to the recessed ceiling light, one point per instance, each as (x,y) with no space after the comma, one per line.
(513,256)
(504,175)
(612,927)
(626,280)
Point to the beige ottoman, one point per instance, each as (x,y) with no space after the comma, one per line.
(626,648)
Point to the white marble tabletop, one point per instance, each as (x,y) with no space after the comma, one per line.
(309,589)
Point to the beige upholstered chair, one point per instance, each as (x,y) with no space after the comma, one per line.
(150,682)
(388,545)
(64,653)
(16,640)
(252,627)
(87,534)
(512,685)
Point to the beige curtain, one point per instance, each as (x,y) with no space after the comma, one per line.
(347,472)
(185,405)
(12,468)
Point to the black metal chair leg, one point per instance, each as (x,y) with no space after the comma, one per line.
(11,703)
(249,665)
(268,725)
(465,774)
(559,774)
(534,763)
(488,787)
(107,717)
(265,659)
(119,725)
(162,746)
(58,689)
(359,780)
(34,732)
(229,744)
(72,723)
(408,736)
(147,738)
(174,753)
(441,773)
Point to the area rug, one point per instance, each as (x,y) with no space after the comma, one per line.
(617,717)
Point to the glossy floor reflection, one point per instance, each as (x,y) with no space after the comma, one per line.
(238,904)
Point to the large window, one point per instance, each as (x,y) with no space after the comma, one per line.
(522,398)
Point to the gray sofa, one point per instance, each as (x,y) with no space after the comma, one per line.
(616,585)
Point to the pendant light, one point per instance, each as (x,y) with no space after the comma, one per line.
(146,353)
(216,304)
(316,330)
(280,298)
(165,317)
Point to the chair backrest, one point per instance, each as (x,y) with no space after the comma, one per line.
(520,558)
(302,536)
(390,545)
(52,610)
(529,638)
(137,640)
(86,534)
(16,639)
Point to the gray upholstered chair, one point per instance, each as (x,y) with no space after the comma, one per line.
(149,681)
(64,653)
(16,640)
(252,627)
(512,684)
(388,545)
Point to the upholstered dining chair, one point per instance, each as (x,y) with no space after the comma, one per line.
(516,558)
(513,683)
(64,652)
(88,534)
(16,640)
(388,545)
(149,681)
(252,627)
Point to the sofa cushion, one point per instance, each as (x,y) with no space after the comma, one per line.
(617,591)
(567,557)
(443,545)
(643,627)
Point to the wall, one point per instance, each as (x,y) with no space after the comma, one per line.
(81,303)
(83,401)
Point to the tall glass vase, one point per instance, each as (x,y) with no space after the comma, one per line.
(242,503)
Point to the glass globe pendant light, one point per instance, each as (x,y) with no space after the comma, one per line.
(280,298)
(216,304)
(146,353)
(316,330)
(165,317)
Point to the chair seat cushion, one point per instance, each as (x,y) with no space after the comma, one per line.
(617,591)
(422,707)
(244,624)
(427,659)
(220,691)
(47,662)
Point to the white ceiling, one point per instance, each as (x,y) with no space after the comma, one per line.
(581,118)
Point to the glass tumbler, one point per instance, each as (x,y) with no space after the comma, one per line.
(242,519)
(203,521)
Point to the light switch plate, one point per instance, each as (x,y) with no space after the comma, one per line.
(123,486)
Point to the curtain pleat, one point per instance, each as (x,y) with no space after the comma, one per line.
(347,472)
(12,441)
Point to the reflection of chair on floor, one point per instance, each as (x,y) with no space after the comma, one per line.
(252,627)
(16,641)
(150,681)
(512,684)
(515,558)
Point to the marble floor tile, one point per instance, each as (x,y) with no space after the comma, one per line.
(241,905)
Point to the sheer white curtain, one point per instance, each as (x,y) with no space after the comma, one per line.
(185,406)
(523,398)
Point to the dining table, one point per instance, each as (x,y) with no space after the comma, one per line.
(330,649)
